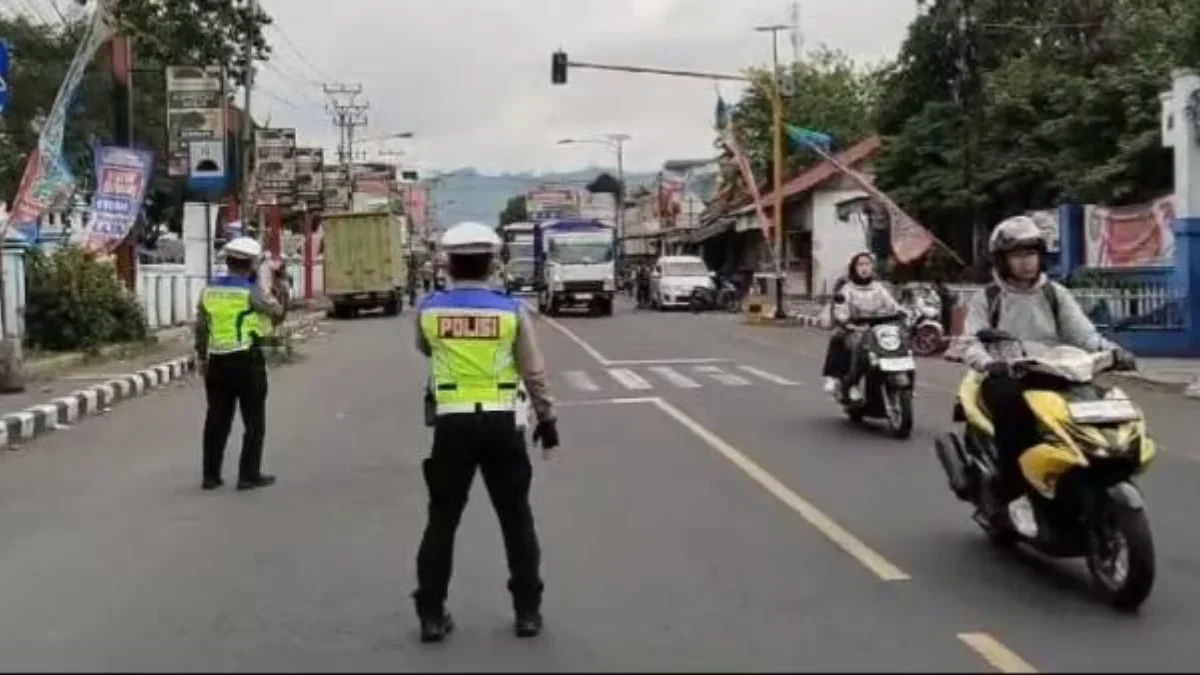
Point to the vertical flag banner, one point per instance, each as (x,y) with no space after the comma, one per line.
(47,179)
(122,175)
(910,241)
(729,138)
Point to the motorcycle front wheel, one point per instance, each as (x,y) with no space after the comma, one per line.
(927,340)
(1121,559)
(898,406)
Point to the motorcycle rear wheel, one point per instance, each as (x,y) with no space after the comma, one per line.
(1124,581)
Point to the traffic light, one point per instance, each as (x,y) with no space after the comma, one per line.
(558,68)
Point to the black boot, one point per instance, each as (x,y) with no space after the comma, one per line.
(528,623)
(263,480)
(436,628)
(436,622)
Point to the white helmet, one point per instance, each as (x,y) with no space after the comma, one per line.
(243,247)
(1016,232)
(469,238)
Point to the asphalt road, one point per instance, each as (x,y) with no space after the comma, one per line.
(710,510)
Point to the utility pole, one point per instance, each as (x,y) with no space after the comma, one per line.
(349,112)
(247,209)
(777,180)
(121,69)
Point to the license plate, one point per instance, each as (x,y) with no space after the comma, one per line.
(898,364)
(362,296)
(583,296)
(526,288)
(1105,411)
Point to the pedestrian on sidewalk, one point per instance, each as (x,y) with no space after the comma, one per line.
(233,316)
(481,348)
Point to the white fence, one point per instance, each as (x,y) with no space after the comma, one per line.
(169,296)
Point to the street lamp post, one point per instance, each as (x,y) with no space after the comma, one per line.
(616,142)
(777,152)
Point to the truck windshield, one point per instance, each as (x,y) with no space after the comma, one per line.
(583,252)
(519,249)
(520,267)
(684,269)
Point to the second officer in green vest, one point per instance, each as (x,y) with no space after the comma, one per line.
(233,316)
(481,347)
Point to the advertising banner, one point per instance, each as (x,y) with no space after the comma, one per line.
(122,175)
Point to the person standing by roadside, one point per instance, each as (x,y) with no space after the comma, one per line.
(233,316)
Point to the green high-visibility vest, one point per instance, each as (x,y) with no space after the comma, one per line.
(233,323)
(471,334)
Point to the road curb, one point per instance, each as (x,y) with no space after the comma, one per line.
(790,322)
(58,413)
(38,420)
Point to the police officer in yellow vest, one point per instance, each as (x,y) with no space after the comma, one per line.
(481,347)
(233,314)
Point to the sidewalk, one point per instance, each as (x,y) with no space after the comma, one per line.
(1175,375)
(57,401)
(1179,376)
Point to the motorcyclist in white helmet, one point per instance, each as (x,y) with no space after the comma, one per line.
(1022,302)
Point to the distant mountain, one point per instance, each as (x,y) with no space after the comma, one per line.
(467,194)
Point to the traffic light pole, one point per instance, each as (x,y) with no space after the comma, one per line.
(559,65)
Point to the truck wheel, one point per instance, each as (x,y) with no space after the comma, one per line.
(392,306)
(552,306)
(604,307)
(341,311)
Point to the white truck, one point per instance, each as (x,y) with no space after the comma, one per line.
(574,265)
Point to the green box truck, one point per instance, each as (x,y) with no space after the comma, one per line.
(365,265)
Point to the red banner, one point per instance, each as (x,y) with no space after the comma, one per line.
(729,137)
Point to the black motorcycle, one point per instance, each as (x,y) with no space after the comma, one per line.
(728,298)
(888,378)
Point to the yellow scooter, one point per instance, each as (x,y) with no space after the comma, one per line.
(1079,477)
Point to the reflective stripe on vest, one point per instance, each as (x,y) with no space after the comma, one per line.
(471,333)
(232,321)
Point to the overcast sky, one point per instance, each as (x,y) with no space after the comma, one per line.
(471,78)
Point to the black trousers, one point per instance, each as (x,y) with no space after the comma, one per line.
(837,356)
(1004,398)
(235,381)
(490,442)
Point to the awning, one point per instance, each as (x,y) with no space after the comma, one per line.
(718,226)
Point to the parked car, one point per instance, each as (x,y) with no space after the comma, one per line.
(675,279)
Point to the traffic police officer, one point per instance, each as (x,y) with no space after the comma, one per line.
(481,347)
(233,315)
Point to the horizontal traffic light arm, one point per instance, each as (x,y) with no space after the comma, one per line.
(659,71)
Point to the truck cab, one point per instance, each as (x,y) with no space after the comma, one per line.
(574,265)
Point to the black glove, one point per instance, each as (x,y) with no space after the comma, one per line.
(998,368)
(1123,359)
(546,434)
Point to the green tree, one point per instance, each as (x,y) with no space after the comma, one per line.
(830,93)
(514,211)
(1065,107)
(164,32)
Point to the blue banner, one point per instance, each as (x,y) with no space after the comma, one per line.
(122,175)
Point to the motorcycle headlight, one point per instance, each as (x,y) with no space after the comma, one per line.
(888,338)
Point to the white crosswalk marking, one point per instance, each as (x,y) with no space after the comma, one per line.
(628,378)
(580,380)
(769,377)
(723,377)
(675,377)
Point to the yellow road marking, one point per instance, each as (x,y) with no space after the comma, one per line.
(1000,657)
